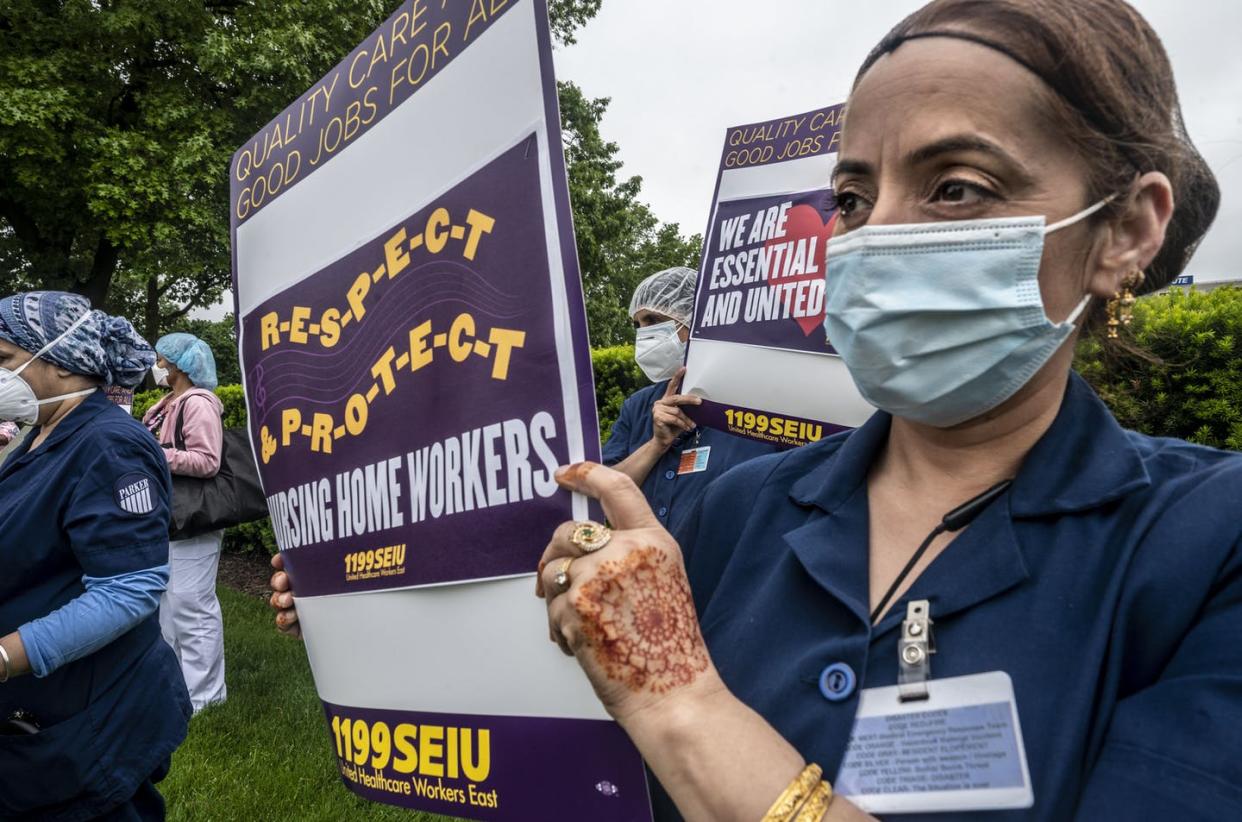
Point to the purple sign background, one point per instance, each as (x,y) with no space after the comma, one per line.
(781,430)
(398,59)
(763,272)
(506,286)
(591,763)
(777,141)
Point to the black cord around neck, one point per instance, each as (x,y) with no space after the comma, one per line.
(955,520)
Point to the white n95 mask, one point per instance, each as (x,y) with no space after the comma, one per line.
(941,322)
(160,375)
(659,351)
(18,402)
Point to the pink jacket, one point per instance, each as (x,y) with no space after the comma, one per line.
(202,429)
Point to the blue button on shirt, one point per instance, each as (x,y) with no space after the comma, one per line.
(672,495)
(1107,582)
(92,501)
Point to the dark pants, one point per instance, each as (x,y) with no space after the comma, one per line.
(146,805)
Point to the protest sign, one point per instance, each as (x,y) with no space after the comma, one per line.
(415,360)
(758,354)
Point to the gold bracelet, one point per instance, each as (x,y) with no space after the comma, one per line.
(816,804)
(783,808)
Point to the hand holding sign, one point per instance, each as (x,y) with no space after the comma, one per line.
(625,611)
(668,421)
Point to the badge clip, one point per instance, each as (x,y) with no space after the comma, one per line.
(914,651)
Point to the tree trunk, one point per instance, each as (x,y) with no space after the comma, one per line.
(151,314)
(99,281)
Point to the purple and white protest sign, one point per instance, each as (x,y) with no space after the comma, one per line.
(758,353)
(415,359)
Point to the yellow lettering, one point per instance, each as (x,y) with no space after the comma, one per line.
(436,236)
(321,433)
(382,370)
(433,749)
(354,62)
(480,224)
(459,348)
(297,325)
(290,423)
(330,328)
(357,294)
(402,739)
(395,256)
(420,352)
(269,330)
(505,341)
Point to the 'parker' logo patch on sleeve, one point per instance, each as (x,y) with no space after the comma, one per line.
(135,494)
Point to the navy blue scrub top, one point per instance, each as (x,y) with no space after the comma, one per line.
(1107,582)
(673,496)
(111,718)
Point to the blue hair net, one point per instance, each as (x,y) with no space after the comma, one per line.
(191,355)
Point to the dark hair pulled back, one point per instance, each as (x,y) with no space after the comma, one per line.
(1115,98)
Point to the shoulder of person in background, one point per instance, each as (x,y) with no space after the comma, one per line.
(187,403)
(8,431)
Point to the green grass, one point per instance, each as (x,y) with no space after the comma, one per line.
(264,754)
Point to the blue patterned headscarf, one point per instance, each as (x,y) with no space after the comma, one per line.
(103,346)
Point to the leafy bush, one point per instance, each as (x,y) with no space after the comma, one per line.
(616,377)
(1193,389)
(232,396)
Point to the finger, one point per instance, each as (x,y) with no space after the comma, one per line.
(580,567)
(674,385)
(278,561)
(685,422)
(286,619)
(682,399)
(675,421)
(558,626)
(557,548)
(624,505)
(280,581)
(567,625)
(280,601)
(669,415)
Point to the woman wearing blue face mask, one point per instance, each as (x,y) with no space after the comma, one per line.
(92,703)
(653,442)
(989,601)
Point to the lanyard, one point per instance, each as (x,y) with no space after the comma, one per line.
(954,521)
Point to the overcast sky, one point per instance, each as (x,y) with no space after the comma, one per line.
(680,72)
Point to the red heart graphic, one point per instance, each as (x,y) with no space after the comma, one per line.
(802,222)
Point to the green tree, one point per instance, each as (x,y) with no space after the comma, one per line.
(118,119)
(620,241)
(117,122)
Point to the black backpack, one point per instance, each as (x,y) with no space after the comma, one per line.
(233,496)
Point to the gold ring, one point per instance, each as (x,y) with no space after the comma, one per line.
(562,576)
(590,536)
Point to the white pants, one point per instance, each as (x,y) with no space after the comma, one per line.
(190,616)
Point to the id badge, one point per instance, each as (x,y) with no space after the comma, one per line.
(694,460)
(958,750)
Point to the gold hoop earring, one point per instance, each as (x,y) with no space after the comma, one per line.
(1121,305)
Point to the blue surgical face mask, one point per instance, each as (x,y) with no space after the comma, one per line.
(942,322)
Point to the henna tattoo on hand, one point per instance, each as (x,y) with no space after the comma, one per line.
(638,617)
